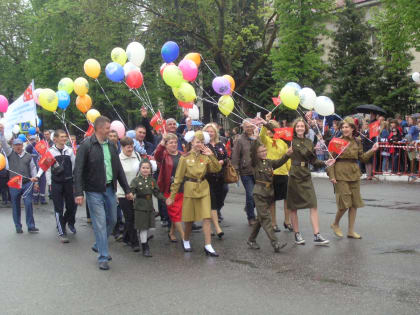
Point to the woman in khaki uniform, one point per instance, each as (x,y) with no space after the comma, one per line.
(345,175)
(192,169)
(300,189)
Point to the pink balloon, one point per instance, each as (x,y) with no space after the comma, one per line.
(119,128)
(189,69)
(4,103)
(37,92)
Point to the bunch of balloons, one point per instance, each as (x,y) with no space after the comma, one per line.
(224,86)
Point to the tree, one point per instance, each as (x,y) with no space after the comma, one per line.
(354,73)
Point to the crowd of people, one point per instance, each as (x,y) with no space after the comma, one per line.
(185,166)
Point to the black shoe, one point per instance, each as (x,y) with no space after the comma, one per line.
(172,240)
(150,237)
(136,248)
(94,249)
(276,228)
(299,239)
(253,245)
(146,250)
(72,228)
(288,226)
(63,238)
(195,228)
(33,230)
(118,237)
(187,250)
(19,230)
(103,265)
(220,235)
(44,202)
(210,253)
(277,246)
(320,240)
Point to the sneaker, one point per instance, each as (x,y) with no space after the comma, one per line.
(72,228)
(63,238)
(103,265)
(299,239)
(253,245)
(320,240)
(19,230)
(33,230)
(277,246)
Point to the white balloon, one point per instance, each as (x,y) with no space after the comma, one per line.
(324,106)
(154,165)
(129,66)
(37,92)
(307,98)
(8,134)
(416,77)
(135,53)
(16,129)
(193,113)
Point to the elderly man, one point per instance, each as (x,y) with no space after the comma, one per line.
(241,161)
(20,162)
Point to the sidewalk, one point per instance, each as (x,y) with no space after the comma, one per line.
(382,178)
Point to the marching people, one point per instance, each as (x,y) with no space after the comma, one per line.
(96,173)
(62,184)
(300,189)
(192,169)
(345,175)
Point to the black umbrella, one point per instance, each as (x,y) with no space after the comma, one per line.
(370,108)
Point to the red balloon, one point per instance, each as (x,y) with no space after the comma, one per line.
(134,79)
(186,105)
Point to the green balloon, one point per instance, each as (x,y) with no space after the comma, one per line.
(66,84)
(172,76)
(185,93)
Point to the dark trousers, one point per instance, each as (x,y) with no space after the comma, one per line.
(130,233)
(249,182)
(4,189)
(40,195)
(63,193)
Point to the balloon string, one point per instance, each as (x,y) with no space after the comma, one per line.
(65,126)
(18,174)
(361,134)
(109,101)
(137,94)
(147,94)
(56,114)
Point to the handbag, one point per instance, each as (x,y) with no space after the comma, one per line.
(230,175)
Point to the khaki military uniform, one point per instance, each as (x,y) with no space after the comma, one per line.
(192,169)
(144,213)
(300,189)
(346,172)
(264,196)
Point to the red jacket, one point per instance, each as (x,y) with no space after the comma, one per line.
(165,165)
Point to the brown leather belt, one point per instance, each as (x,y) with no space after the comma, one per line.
(194,180)
(347,160)
(296,163)
(267,184)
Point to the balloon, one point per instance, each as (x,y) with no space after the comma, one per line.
(295,85)
(221,85)
(128,67)
(290,97)
(22,137)
(307,98)
(163,66)
(195,57)
(16,129)
(194,113)
(83,103)
(66,84)
(134,79)
(37,92)
(189,69)
(92,114)
(416,77)
(39,122)
(118,127)
(81,86)
(324,106)
(92,68)
(172,76)
(170,51)
(2,162)
(114,72)
(48,100)
(185,92)
(32,131)
(63,99)
(131,134)
(119,55)
(4,104)
(231,81)
(186,104)
(225,104)
(135,53)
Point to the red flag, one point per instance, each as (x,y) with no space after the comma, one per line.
(74,145)
(27,95)
(15,182)
(90,131)
(41,147)
(185,104)
(157,121)
(337,145)
(283,133)
(229,148)
(374,129)
(46,161)
(276,100)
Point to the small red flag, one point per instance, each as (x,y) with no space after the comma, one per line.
(90,131)
(276,100)
(157,121)
(41,147)
(15,182)
(46,161)
(374,129)
(27,95)
(186,104)
(74,145)
(337,145)
(229,148)
(283,133)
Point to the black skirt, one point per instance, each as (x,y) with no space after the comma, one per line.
(216,191)
(280,186)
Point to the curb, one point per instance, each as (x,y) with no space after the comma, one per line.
(382,178)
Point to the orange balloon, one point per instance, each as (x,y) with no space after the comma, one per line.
(231,80)
(195,57)
(92,68)
(83,103)
(2,162)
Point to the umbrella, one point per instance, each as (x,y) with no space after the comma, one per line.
(196,123)
(370,108)
(416,115)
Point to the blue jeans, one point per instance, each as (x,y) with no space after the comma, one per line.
(103,212)
(15,196)
(248,181)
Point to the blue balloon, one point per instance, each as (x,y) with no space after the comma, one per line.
(63,99)
(32,131)
(22,137)
(39,122)
(114,72)
(295,85)
(170,51)
(131,134)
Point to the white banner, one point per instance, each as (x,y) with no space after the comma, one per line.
(21,111)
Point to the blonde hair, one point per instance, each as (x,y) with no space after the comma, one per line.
(170,136)
(216,133)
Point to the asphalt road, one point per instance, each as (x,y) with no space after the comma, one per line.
(377,275)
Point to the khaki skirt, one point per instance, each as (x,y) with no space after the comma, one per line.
(347,195)
(300,193)
(144,220)
(196,209)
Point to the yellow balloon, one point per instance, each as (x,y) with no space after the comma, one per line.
(119,55)
(48,100)
(66,84)
(81,86)
(225,104)
(92,114)
(290,97)
(92,68)
(185,92)
(2,162)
